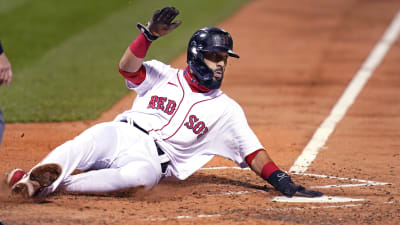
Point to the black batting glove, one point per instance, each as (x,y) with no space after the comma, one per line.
(282,183)
(160,24)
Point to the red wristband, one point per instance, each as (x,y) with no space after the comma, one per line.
(139,46)
(268,169)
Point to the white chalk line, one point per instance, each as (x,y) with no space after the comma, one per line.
(345,185)
(234,193)
(361,181)
(297,199)
(183,217)
(322,199)
(323,207)
(347,99)
(266,209)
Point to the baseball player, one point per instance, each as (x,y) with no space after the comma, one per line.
(179,120)
(5,78)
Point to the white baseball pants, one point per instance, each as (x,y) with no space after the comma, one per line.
(117,155)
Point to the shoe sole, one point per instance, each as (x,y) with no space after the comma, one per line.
(41,176)
(26,189)
(46,174)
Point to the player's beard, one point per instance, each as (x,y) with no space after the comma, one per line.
(218,73)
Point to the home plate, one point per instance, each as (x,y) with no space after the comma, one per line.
(322,199)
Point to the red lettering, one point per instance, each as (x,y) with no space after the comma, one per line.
(160,104)
(192,120)
(199,127)
(152,103)
(170,108)
(203,133)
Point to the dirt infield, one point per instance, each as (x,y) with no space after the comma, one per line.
(297,58)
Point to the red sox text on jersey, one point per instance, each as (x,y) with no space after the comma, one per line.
(168,106)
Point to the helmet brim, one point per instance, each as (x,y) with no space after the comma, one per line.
(233,54)
(221,49)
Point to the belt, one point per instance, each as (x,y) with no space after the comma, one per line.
(161,153)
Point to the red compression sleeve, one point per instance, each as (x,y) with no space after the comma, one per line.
(136,77)
(139,46)
(250,157)
(268,169)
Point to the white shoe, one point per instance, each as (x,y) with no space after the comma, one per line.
(41,176)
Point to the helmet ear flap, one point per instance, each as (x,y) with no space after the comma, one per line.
(201,71)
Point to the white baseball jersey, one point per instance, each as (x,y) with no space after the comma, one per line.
(189,127)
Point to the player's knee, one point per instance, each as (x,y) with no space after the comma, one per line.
(139,174)
(105,134)
(102,138)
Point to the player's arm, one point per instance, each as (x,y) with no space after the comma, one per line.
(262,165)
(159,25)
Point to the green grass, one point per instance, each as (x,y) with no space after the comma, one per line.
(65,53)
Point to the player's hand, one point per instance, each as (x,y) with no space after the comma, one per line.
(5,70)
(160,24)
(282,182)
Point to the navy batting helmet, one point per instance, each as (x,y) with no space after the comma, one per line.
(208,39)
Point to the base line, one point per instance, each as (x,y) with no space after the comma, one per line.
(347,99)
(361,182)
(265,209)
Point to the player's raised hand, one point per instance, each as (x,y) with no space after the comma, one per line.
(161,23)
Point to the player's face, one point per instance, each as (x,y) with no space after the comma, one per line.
(216,61)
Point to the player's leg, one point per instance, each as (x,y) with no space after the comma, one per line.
(134,174)
(98,144)
(137,164)
(111,145)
